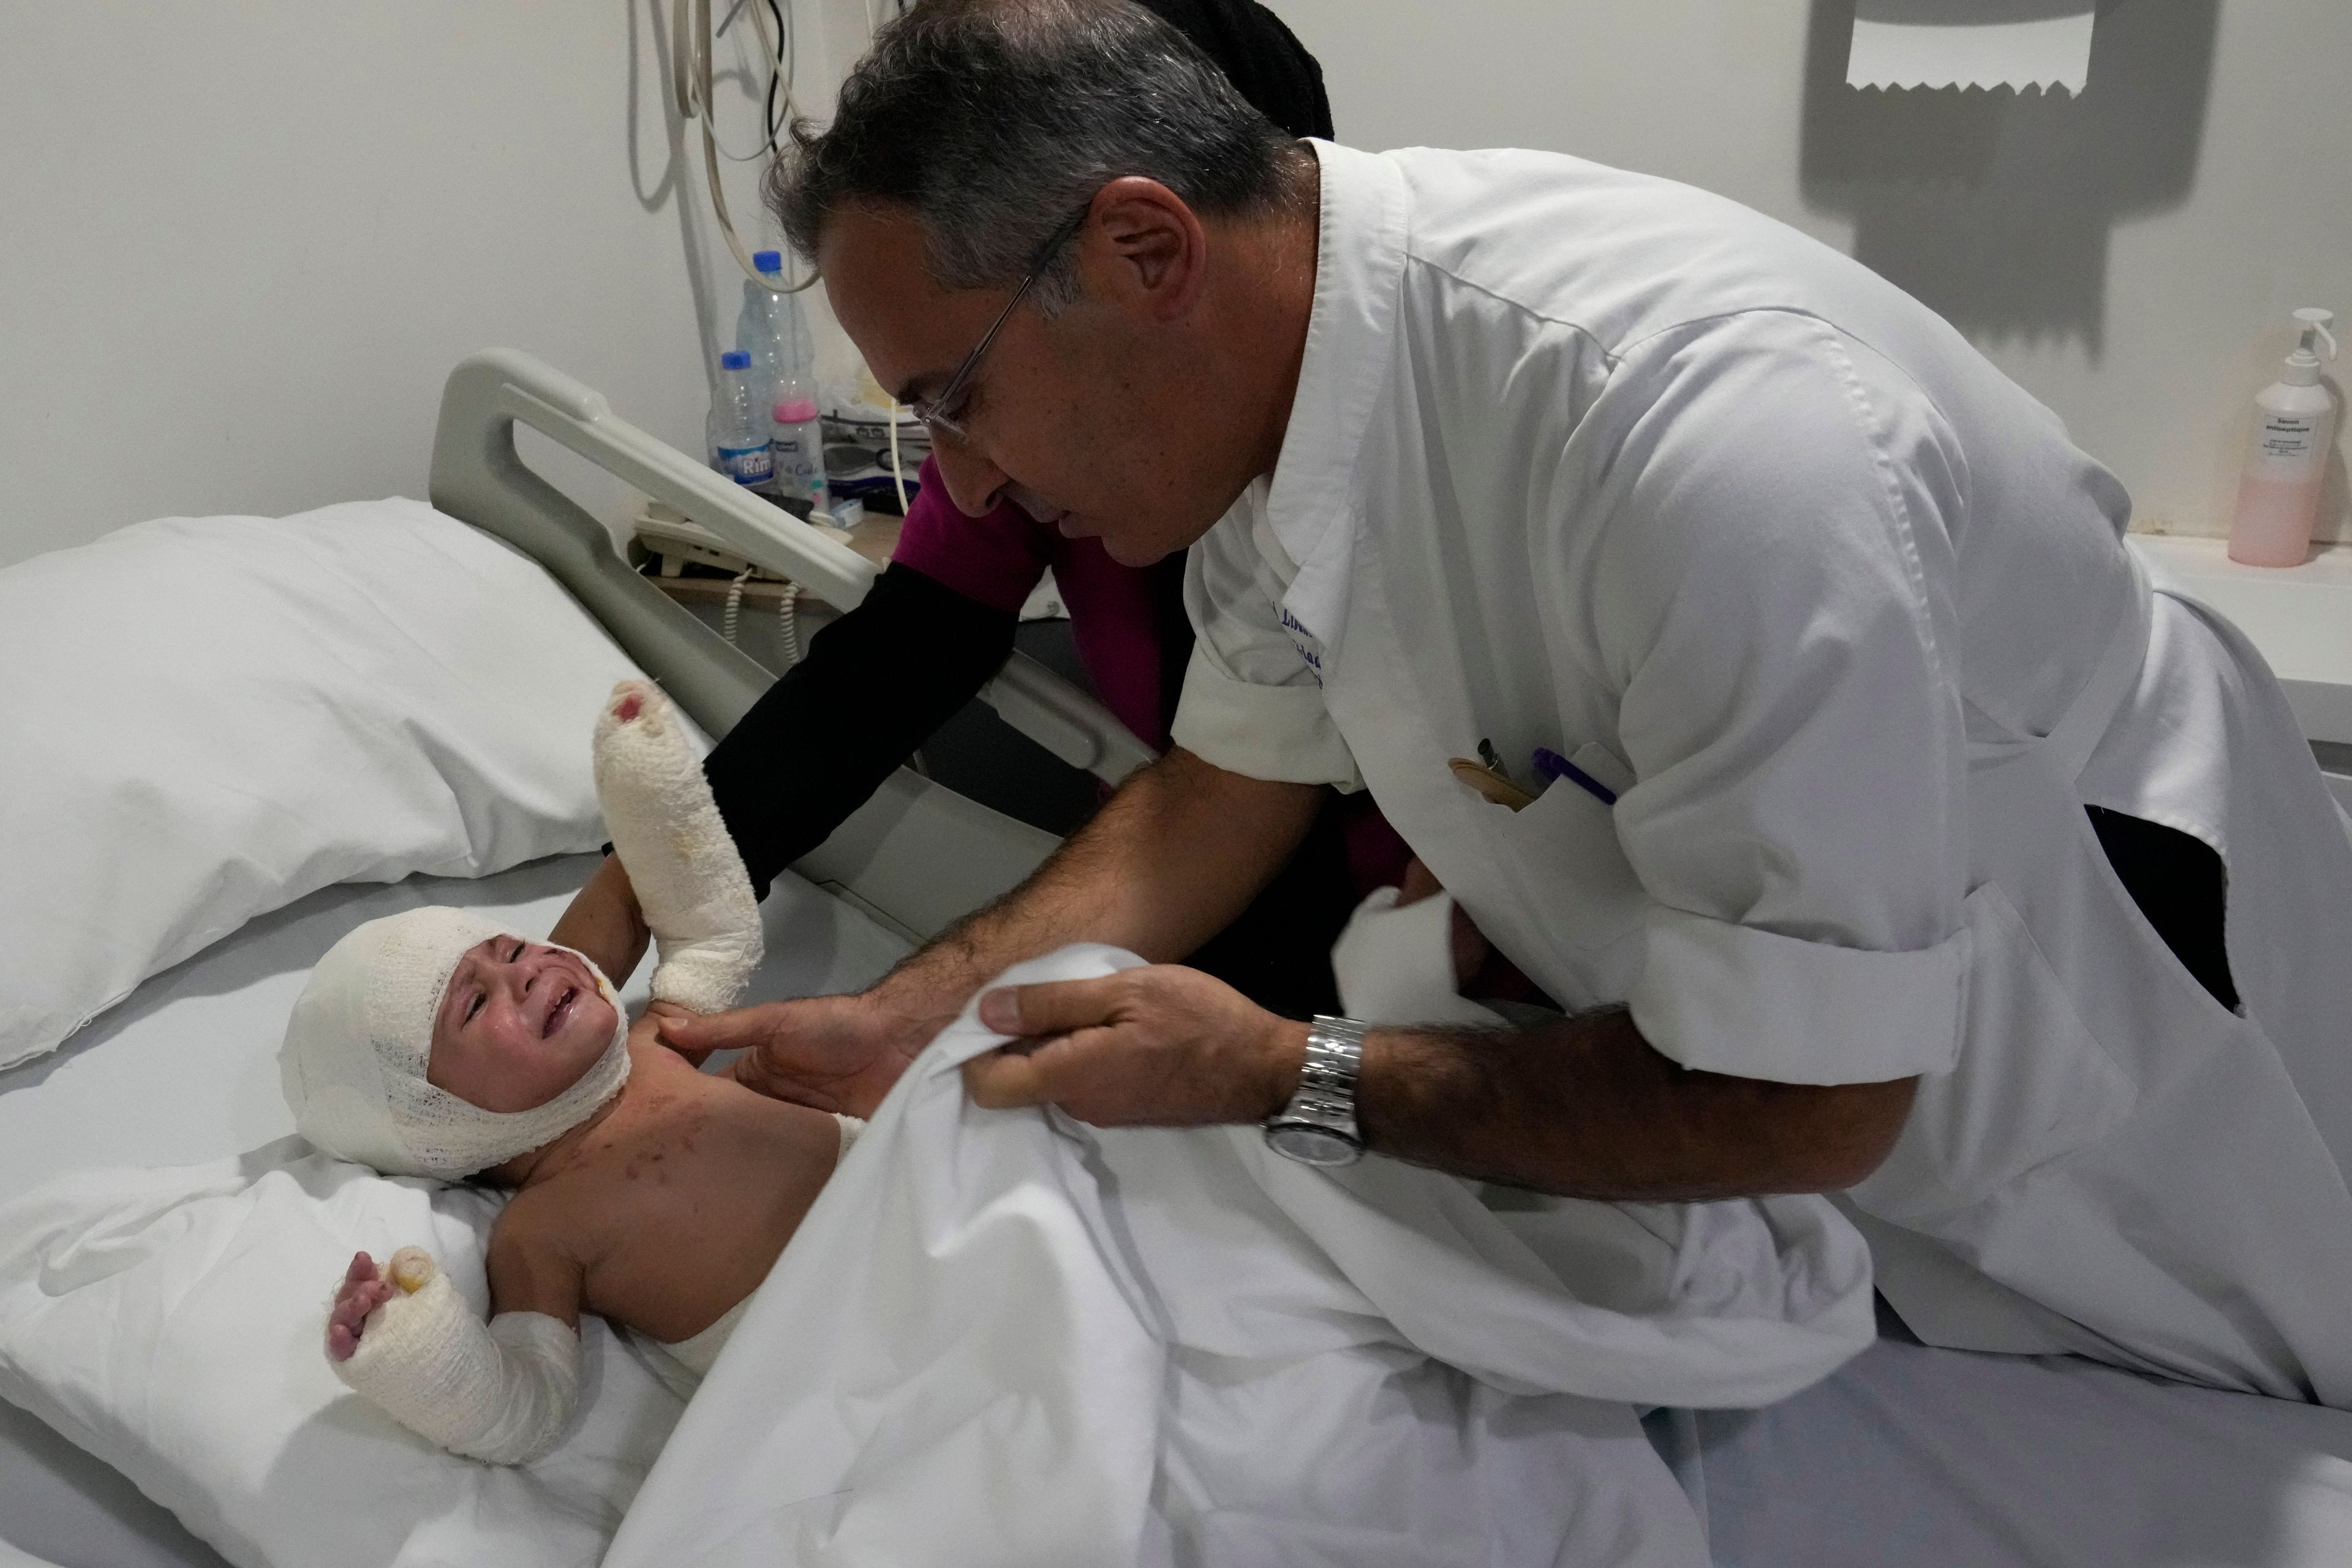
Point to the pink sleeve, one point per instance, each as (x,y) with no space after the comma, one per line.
(995,560)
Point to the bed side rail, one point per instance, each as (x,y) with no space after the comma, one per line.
(475,464)
(917,854)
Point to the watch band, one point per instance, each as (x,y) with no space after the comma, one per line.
(1319,1125)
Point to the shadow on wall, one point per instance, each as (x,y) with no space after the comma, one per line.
(1993,206)
(675,187)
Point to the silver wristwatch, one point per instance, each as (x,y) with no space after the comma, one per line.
(1319,1126)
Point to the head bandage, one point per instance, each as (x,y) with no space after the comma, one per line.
(360,1039)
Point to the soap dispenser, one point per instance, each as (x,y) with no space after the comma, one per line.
(2295,421)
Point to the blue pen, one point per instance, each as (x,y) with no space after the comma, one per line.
(1551,764)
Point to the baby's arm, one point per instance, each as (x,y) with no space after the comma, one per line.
(503,1392)
(687,876)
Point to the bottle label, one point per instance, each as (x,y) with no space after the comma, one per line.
(798,469)
(746,465)
(2287,446)
(2289,435)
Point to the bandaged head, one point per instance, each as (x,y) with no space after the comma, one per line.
(360,1039)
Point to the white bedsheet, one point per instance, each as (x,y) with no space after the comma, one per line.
(1935,1459)
(1904,1459)
(1001,1337)
(185,1071)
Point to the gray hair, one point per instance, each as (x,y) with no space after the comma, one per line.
(996,120)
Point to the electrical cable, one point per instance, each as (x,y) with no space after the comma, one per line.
(691,86)
(782,77)
(897,469)
(772,59)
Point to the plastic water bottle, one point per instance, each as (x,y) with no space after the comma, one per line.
(737,431)
(796,451)
(797,438)
(761,330)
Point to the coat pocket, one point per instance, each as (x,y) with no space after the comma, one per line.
(1571,886)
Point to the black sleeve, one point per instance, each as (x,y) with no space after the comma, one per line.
(875,684)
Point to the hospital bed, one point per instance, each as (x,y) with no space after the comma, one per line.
(1908,1455)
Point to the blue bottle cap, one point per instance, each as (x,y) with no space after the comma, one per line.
(734,359)
(768,260)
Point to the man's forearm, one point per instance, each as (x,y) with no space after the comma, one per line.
(1167,863)
(1586,1108)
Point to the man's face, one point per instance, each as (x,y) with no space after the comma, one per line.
(1077,419)
(519,1023)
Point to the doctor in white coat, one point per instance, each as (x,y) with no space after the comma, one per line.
(1911,845)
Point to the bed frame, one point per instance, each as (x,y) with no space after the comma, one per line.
(916,856)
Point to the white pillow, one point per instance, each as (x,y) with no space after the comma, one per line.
(172,1323)
(207,717)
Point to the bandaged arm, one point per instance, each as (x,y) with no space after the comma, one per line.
(689,875)
(503,1392)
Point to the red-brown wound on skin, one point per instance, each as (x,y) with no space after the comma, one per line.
(631,706)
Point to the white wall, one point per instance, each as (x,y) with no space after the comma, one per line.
(2130,257)
(242,245)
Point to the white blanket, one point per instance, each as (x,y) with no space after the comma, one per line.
(1007,1338)
(170,1323)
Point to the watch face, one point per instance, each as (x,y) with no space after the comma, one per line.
(1312,1145)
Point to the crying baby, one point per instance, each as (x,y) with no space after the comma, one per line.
(435,1043)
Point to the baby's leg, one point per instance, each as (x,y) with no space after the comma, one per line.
(688,877)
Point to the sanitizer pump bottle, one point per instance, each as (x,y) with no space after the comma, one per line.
(2295,421)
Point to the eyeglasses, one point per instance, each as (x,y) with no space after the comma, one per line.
(941,414)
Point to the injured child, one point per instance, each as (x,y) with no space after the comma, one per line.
(436,1044)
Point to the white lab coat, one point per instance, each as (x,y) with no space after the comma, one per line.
(1580,458)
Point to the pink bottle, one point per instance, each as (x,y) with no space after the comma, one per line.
(2278,498)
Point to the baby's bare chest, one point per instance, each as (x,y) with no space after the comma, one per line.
(682,1215)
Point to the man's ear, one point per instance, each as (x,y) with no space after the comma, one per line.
(1143,248)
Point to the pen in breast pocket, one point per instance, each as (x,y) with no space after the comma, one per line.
(1551,764)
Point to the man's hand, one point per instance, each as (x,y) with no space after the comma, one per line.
(646,1029)
(834,1053)
(1159,1046)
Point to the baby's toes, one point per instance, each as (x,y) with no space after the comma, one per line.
(342,1341)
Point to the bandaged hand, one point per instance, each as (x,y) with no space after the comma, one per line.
(687,875)
(504,1392)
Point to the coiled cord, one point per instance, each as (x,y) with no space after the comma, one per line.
(730,619)
(788,616)
(788,623)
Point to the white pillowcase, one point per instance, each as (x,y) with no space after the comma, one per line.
(172,1323)
(207,717)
